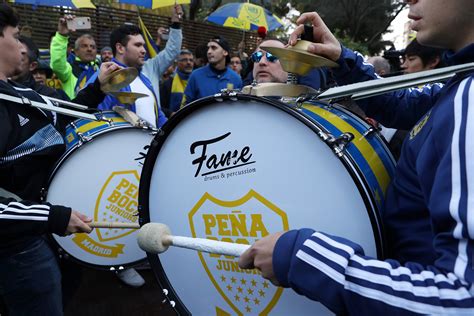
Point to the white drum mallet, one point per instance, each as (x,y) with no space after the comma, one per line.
(156,238)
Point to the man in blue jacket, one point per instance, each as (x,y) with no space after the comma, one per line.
(429,211)
(214,77)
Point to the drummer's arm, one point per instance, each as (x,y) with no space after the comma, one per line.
(19,218)
(92,95)
(399,109)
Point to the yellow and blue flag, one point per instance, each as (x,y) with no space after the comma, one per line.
(63,3)
(150,45)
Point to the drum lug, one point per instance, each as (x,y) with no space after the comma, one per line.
(226,93)
(340,143)
(101,117)
(166,299)
(371,130)
(81,137)
(43,194)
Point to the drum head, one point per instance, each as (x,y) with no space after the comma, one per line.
(100,179)
(236,171)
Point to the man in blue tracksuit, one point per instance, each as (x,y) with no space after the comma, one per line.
(429,211)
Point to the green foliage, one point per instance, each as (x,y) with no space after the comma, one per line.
(350,43)
(359,22)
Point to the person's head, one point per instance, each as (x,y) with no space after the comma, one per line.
(420,58)
(128,45)
(12,50)
(236,64)
(85,48)
(441,23)
(186,61)
(381,65)
(106,54)
(218,50)
(29,61)
(200,56)
(42,72)
(267,68)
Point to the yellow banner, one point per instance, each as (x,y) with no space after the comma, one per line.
(91,246)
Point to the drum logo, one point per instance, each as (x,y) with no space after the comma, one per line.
(221,165)
(244,221)
(117,202)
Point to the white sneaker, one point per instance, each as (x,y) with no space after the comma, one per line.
(131,277)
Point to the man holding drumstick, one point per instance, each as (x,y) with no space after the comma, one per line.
(30,144)
(428,214)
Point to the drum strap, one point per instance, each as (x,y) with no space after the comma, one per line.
(46,106)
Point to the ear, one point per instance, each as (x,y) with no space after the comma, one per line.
(432,64)
(33,66)
(119,49)
(226,53)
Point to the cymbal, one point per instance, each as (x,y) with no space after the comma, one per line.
(297,59)
(119,79)
(127,98)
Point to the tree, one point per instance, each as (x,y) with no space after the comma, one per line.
(361,22)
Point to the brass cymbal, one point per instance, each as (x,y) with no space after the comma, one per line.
(297,59)
(127,98)
(119,79)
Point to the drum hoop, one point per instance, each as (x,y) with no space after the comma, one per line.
(44,195)
(155,147)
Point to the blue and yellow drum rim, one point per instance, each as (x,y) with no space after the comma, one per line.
(89,127)
(369,154)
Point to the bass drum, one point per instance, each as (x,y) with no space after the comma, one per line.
(99,175)
(236,168)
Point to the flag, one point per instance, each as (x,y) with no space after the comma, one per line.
(150,45)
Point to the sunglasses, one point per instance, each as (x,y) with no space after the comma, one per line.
(257,56)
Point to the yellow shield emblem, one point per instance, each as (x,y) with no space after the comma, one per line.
(117,202)
(242,221)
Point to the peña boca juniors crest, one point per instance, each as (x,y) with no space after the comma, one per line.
(244,221)
(117,202)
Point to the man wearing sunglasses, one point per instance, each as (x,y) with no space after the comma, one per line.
(215,76)
(267,68)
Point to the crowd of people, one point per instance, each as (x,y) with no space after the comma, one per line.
(428,215)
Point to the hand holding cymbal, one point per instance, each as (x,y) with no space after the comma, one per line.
(296,59)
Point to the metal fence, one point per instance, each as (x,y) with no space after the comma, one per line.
(43,22)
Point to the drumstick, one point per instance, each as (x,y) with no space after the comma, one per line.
(156,238)
(114,225)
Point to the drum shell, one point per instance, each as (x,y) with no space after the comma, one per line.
(359,161)
(101,156)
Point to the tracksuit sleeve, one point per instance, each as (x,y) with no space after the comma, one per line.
(20,218)
(59,63)
(335,272)
(399,109)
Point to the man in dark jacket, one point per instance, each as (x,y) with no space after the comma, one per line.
(29,146)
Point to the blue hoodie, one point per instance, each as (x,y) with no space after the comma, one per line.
(428,213)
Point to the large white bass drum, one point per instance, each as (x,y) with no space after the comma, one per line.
(99,176)
(237,168)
